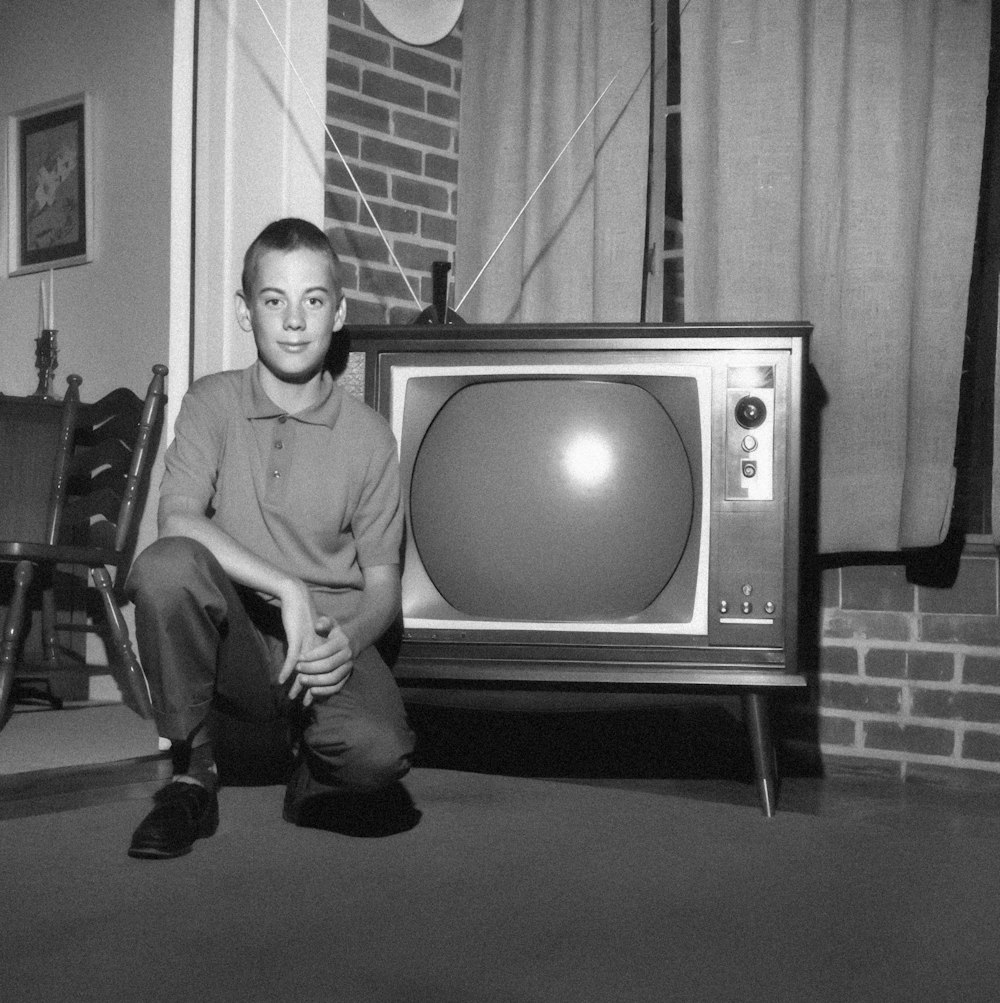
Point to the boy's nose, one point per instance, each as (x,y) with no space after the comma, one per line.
(294,317)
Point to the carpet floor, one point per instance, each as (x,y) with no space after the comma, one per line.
(508,889)
(43,739)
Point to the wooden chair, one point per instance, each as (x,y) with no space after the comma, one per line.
(100,461)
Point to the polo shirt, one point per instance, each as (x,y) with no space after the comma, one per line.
(315,493)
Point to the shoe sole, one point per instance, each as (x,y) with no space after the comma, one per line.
(148,853)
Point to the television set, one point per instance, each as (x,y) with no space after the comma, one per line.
(601,505)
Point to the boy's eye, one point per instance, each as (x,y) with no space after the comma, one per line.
(271,301)
(316,301)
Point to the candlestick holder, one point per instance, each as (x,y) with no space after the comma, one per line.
(46,362)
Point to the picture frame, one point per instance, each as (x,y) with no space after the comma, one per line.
(50,186)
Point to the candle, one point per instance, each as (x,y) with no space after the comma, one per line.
(52,299)
(43,306)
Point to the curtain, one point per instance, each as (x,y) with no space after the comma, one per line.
(831,162)
(531,71)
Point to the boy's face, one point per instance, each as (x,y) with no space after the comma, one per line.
(292,313)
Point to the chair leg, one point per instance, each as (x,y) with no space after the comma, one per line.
(134,676)
(12,628)
(50,641)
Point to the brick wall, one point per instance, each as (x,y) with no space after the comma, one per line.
(909,677)
(393,110)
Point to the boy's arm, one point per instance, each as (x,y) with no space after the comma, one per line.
(323,670)
(381,601)
(182,516)
(377,527)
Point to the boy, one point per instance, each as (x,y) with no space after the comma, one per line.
(277,564)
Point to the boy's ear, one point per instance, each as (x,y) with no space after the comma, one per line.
(341,314)
(243,312)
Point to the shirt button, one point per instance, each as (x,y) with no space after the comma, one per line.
(282,419)
(278,444)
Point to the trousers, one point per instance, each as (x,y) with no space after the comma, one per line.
(205,642)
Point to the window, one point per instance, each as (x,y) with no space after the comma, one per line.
(663,283)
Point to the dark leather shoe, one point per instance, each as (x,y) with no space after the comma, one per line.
(383,812)
(184,812)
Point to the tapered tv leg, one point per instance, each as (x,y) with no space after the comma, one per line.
(758,722)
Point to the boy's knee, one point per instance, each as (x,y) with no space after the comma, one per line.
(376,759)
(165,564)
(366,756)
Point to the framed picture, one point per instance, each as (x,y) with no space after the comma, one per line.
(49,172)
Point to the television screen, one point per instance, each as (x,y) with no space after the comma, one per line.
(554,495)
(536,499)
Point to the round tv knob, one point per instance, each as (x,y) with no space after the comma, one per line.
(750,412)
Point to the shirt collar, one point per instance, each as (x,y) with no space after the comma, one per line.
(256,403)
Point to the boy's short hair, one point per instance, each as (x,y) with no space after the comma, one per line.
(289,234)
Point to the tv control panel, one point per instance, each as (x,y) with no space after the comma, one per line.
(747,587)
(750,436)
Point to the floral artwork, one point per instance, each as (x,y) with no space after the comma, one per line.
(48,166)
(52,213)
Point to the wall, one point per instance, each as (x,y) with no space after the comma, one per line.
(393,112)
(908,679)
(904,680)
(112,311)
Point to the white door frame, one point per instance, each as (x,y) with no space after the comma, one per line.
(247,147)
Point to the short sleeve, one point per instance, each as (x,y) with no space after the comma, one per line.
(377,523)
(191,463)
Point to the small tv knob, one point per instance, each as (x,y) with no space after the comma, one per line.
(750,412)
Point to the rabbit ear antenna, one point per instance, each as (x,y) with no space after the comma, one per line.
(479,275)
